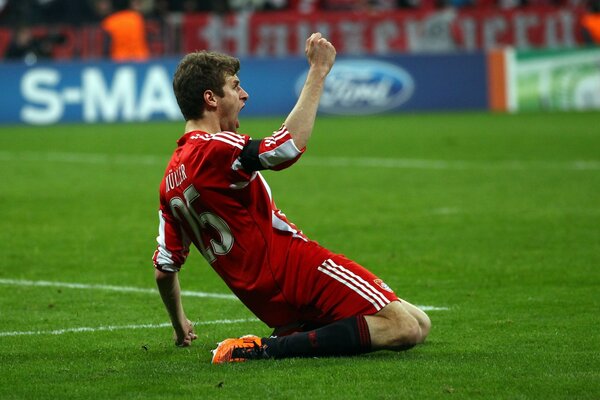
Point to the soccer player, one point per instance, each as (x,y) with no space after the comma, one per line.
(214,197)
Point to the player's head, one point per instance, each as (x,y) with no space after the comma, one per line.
(198,72)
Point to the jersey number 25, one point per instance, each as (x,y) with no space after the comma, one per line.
(186,214)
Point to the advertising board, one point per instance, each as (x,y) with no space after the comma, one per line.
(47,93)
(557,80)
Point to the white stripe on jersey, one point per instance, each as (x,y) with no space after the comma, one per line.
(280,133)
(283,226)
(164,256)
(226,140)
(266,186)
(354,282)
(232,136)
(225,137)
(284,152)
(360,281)
(241,184)
(354,288)
(276,222)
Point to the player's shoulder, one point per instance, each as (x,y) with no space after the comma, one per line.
(220,139)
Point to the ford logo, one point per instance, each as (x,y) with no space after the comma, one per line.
(363,87)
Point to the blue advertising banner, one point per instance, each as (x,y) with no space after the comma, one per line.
(48,93)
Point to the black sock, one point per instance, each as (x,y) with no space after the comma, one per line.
(346,337)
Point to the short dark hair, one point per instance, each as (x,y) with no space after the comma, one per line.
(198,72)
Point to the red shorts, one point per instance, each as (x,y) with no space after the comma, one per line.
(319,287)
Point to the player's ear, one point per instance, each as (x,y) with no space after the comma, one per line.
(210,98)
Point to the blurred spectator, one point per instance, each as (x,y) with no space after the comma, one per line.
(126,31)
(269,5)
(304,6)
(13,13)
(590,23)
(160,11)
(410,3)
(23,47)
(3,7)
(145,6)
(53,11)
(361,5)
(50,12)
(381,5)
(45,12)
(344,5)
(257,5)
(191,6)
(29,48)
(102,9)
(509,4)
(461,3)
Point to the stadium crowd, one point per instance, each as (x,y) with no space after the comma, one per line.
(18,12)
(32,27)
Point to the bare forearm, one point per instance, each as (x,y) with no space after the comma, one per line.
(170,292)
(320,54)
(168,286)
(301,120)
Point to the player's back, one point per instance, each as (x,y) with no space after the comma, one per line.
(227,212)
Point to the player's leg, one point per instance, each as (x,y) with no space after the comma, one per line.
(367,314)
(420,316)
(346,337)
(398,326)
(392,328)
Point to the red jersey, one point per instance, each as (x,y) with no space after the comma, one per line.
(213,196)
(207,198)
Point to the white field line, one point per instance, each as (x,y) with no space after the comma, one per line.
(122,289)
(344,162)
(129,289)
(111,328)
(406,163)
(83,158)
(431,308)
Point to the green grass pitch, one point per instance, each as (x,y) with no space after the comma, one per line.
(494,218)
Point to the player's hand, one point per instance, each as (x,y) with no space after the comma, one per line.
(187,336)
(320,52)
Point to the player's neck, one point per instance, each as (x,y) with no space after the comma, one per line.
(204,125)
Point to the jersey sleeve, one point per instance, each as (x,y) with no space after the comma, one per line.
(173,244)
(275,152)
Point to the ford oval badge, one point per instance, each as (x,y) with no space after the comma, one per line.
(363,87)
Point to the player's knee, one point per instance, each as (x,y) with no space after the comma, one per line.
(406,333)
(425,325)
(401,332)
(399,329)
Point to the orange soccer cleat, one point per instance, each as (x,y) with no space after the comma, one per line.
(247,347)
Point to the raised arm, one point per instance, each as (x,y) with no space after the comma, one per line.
(320,54)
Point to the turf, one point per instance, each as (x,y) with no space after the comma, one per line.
(495,217)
